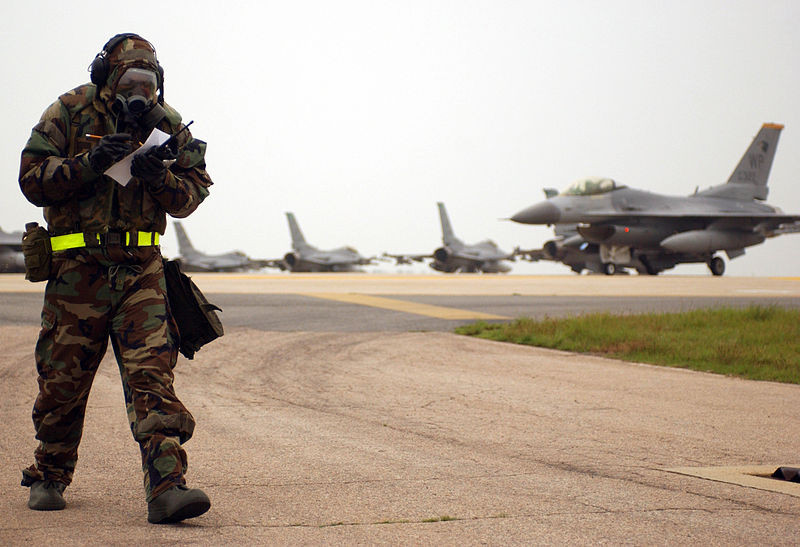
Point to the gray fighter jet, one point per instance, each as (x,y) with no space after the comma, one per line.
(649,232)
(193,260)
(306,258)
(11,259)
(457,256)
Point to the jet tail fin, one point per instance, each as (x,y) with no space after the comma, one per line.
(185,246)
(752,172)
(749,179)
(448,237)
(294,229)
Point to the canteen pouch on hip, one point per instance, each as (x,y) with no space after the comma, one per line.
(37,252)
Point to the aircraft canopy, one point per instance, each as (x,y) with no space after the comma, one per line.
(589,186)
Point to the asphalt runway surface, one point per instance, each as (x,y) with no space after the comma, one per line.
(305,302)
(342,410)
(289,313)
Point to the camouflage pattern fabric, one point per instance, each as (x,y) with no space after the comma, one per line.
(55,171)
(99,294)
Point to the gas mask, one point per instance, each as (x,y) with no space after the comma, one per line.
(135,94)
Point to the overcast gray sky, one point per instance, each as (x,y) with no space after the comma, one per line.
(359,115)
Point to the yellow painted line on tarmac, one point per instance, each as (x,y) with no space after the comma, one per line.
(439,312)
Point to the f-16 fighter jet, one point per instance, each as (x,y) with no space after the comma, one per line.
(629,228)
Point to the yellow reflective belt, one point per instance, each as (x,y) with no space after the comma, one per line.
(75,241)
(67,241)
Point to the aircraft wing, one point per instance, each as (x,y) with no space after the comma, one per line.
(369,261)
(257,263)
(532,255)
(597,216)
(785,228)
(202,265)
(210,264)
(407,258)
(331,260)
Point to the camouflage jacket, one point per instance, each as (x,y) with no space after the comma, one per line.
(55,171)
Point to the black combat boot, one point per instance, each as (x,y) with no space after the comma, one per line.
(46,496)
(176,504)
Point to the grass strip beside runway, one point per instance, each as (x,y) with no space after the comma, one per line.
(758,343)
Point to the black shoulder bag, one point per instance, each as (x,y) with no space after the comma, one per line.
(195,316)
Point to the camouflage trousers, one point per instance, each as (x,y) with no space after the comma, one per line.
(94,295)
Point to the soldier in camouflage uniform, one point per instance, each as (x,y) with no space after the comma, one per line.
(107,277)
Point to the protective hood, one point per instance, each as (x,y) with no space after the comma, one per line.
(132,52)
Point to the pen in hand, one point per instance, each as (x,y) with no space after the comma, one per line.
(92,136)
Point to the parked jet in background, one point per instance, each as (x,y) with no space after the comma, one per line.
(193,260)
(11,259)
(306,258)
(456,256)
(652,232)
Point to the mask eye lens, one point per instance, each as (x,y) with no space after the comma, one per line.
(138,82)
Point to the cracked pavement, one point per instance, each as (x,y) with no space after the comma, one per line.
(372,437)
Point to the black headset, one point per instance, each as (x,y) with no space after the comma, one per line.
(99,68)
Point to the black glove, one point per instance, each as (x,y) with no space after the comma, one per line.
(151,166)
(109,150)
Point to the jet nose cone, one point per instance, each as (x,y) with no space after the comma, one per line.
(541,213)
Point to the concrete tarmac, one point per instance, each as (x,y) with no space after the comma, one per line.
(390,437)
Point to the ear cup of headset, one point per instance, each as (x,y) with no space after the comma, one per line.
(98,70)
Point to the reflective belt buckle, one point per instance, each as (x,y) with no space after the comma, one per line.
(90,240)
(112,238)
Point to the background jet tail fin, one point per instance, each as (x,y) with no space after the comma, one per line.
(448,237)
(294,229)
(754,167)
(185,246)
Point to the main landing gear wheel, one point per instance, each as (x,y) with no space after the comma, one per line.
(716,265)
(609,268)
